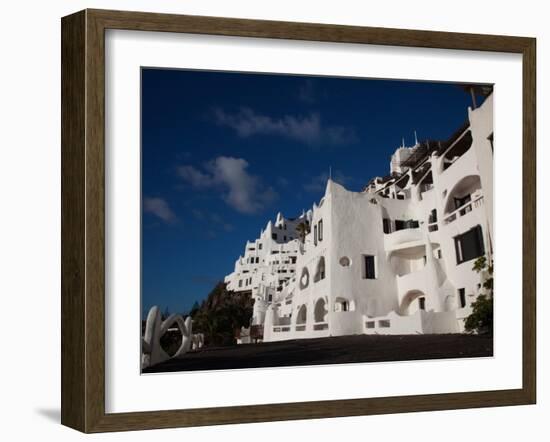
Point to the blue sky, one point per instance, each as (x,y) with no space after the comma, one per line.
(223,152)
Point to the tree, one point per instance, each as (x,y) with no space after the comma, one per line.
(481,318)
(222,314)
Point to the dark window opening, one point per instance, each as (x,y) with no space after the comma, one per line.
(320,229)
(408,224)
(315,235)
(370,267)
(462,297)
(274,236)
(386,225)
(422,303)
(469,245)
(459,202)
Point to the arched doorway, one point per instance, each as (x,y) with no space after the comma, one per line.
(413,301)
(320,311)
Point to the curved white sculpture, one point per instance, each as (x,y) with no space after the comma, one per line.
(151,351)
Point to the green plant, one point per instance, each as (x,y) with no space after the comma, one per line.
(221,314)
(481,318)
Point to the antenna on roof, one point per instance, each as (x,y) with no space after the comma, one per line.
(415,138)
(330,172)
(403,142)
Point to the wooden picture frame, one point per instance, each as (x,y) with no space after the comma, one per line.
(83,220)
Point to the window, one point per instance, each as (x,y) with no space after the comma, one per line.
(370,267)
(270,298)
(439,255)
(284,238)
(386,225)
(257,259)
(315,235)
(433,217)
(320,224)
(240,282)
(320,272)
(293,260)
(462,297)
(422,303)
(469,245)
(399,225)
(459,202)
(259,246)
(408,224)
(274,236)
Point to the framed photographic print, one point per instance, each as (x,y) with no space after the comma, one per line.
(311,220)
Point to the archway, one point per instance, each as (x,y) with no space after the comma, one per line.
(413,301)
(301,317)
(461,193)
(342,304)
(320,311)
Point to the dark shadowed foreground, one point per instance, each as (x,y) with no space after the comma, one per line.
(335,350)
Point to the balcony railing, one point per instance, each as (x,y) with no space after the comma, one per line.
(463,210)
(320,326)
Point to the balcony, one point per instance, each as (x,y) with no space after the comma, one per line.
(463,210)
(402,238)
(414,281)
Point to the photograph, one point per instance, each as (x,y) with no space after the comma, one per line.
(304,220)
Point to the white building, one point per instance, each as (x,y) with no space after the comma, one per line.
(395,258)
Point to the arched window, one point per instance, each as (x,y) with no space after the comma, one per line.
(301,317)
(320,311)
(342,304)
(320,270)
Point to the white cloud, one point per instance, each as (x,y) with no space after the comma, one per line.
(160,208)
(306,129)
(240,189)
(195,177)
